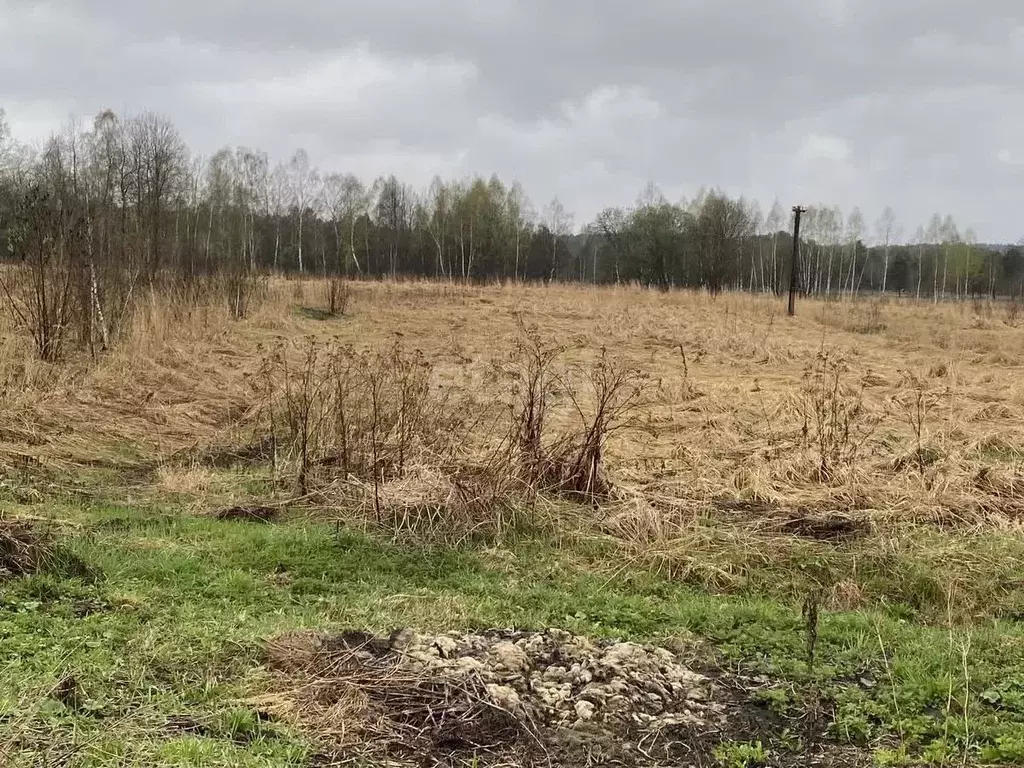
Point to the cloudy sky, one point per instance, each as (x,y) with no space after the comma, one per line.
(917,104)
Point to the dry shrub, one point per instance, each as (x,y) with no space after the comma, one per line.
(60,295)
(603,397)
(41,300)
(22,549)
(868,317)
(347,413)
(1013,311)
(25,548)
(531,372)
(369,427)
(243,290)
(338,296)
(914,402)
(605,403)
(834,422)
(366,430)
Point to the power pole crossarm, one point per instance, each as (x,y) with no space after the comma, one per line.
(794,266)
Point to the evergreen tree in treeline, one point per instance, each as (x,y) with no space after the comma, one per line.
(125,196)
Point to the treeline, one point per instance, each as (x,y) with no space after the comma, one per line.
(124,200)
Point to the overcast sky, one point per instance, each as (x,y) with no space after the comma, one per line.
(917,104)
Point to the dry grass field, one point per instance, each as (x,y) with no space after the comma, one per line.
(846,485)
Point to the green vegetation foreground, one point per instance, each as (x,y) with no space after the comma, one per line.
(151,654)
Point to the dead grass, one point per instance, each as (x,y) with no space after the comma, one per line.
(27,547)
(915,430)
(23,549)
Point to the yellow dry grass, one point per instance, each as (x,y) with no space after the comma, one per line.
(722,418)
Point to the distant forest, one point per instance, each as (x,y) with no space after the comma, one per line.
(125,194)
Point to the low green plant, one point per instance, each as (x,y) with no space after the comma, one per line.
(731,754)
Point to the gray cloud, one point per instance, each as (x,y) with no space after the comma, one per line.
(914,104)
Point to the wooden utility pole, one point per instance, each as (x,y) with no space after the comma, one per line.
(794,265)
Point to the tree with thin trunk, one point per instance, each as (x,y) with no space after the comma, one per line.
(439,203)
(854,233)
(934,236)
(950,236)
(559,224)
(773,224)
(277,197)
(302,181)
(920,238)
(519,215)
(887,231)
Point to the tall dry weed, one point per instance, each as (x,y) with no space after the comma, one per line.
(603,397)
(835,425)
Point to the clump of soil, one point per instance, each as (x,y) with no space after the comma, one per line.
(248,514)
(23,548)
(505,698)
(833,527)
(818,524)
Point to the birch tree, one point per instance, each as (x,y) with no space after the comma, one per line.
(559,224)
(934,235)
(773,224)
(887,232)
(949,236)
(302,180)
(854,233)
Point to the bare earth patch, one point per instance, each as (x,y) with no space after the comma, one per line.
(252,514)
(502,698)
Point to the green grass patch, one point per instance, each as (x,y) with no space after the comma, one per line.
(161,642)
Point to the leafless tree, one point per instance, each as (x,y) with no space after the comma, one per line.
(302,180)
(887,231)
(559,224)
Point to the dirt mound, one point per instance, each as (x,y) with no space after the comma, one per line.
(23,548)
(27,547)
(248,514)
(497,698)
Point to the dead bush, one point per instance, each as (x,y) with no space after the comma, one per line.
(532,378)
(914,402)
(602,396)
(834,423)
(338,296)
(605,400)
(26,549)
(40,291)
(22,549)
(58,291)
(243,290)
(336,412)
